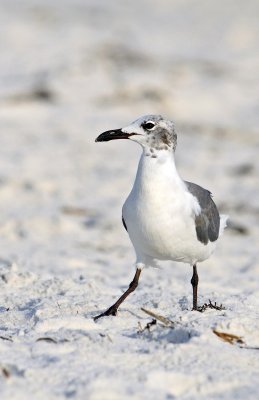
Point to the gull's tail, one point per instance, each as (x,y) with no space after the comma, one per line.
(223,223)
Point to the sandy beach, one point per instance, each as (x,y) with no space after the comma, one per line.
(70,70)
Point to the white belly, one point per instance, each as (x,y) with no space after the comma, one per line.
(160,214)
(162,227)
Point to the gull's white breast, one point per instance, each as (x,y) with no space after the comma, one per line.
(160,214)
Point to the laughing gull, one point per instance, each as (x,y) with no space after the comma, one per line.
(166,217)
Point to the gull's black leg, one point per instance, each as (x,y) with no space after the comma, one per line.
(114,308)
(194,282)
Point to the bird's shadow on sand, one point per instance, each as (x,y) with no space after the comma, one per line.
(158,332)
(162,334)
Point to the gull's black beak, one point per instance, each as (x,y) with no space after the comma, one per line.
(111,135)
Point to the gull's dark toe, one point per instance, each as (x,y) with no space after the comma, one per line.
(111,311)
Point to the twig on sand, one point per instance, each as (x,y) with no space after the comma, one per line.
(147,327)
(6,373)
(233,339)
(228,337)
(6,338)
(164,320)
(46,339)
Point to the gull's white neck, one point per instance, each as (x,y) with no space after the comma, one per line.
(157,173)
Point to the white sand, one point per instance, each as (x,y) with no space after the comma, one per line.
(64,253)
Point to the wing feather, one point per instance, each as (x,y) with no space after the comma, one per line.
(208,221)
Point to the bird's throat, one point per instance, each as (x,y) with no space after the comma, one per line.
(156,173)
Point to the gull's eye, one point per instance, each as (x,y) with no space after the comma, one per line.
(148,125)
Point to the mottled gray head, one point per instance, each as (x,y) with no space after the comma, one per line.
(152,132)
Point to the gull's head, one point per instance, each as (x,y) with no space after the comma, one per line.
(152,132)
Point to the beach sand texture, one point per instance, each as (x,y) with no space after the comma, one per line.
(70,70)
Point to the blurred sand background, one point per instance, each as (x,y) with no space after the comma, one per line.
(70,70)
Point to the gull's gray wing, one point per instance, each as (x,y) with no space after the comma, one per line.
(208,221)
